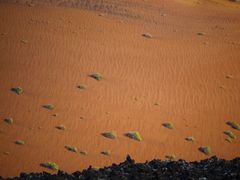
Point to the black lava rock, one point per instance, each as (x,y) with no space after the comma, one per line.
(212,168)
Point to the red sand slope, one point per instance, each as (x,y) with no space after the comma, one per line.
(49,50)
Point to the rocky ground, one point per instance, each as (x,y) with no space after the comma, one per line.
(212,168)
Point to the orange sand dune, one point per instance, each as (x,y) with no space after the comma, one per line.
(177,76)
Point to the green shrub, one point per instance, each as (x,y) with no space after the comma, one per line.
(50,165)
(205,149)
(147,35)
(83,152)
(72,149)
(61,127)
(190,138)
(8,120)
(230,134)
(110,134)
(170,157)
(234,125)
(97,76)
(19,142)
(49,106)
(17,90)
(82,86)
(168,125)
(106,153)
(134,135)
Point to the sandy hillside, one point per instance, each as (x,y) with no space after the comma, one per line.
(188,73)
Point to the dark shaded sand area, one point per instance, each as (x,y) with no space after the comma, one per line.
(87,82)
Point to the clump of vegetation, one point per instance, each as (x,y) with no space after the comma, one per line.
(82,86)
(147,35)
(110,134)
(24,41)
(48,106)
(201,33)
(205,149)
(230,134)
(8,120)
(229,76)
(190,138)
(106,153)
(168,125)
(50,165)
(97,76)
(234,125)
(19,142)
(134,135)
(61,127)
(55,115)
(72,149)
(17,90)
(83,152)
(170,157)
(228,139)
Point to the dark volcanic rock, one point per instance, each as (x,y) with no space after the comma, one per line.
(212,168)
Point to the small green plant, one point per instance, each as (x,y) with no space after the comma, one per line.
(48,106)
(17,90)
(97,76)
(228,139)
(201,33)
(168,125)
(230,134)
(72,149)
(134,135)
(234,125)
(147,35)
(61,127)
(170,157)
(8,120)
(19,142)
(50,165)
(110,134)
(83,152)
(106,153)
(82,86)
(190,138)
(205,149)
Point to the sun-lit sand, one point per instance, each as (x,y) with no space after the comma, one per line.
(166,70)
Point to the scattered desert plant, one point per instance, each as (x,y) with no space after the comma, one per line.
(19,142)
(97,76)
(8,120)
(190,138)
(82,86)
(48,106)
(24,41)
(201,33)
(230,134)
(205,149)
(61,127)
(50,165)
(106,153)
(83,152)
(168,125)
(71,148)
(229,76)
(55,115)
(110,134)
(170,157)
(17,90)
(234,125)
(147,35)
(228,139)
(134,135)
